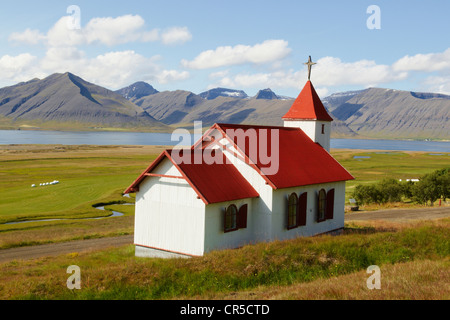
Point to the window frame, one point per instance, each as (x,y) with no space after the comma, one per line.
(321,205)
(294,214)
(234,218)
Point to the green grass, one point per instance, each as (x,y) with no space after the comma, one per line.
(389,164)
(117,274)
(93,175)
(83,182)
(90,175)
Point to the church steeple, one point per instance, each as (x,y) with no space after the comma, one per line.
(308,113)
(307,106)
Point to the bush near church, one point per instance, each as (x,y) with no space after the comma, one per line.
(429,188)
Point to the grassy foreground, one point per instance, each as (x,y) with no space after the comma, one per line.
(414,264)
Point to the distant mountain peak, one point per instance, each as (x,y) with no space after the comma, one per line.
(223,92)
(266,94)
(137,90)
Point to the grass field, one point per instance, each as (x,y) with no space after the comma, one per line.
(314,268)
(90,175)
(413,261)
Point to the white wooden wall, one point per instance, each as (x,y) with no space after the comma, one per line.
(168,214)
(216,238)
(262,206)
(279,216)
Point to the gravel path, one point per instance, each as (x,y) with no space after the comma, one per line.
(54,249)
(399,215)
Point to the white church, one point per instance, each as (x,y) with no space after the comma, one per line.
(242,184)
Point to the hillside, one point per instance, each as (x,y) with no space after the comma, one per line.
(65,101)
(136,91)
(387,113)
(182,108)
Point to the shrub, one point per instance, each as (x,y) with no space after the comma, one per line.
(429,188)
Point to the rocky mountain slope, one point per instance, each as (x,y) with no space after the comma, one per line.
(387,113)
(67,101)
(182,108)
(137,90)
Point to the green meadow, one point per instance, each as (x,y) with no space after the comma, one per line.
(321,267)
(94,175)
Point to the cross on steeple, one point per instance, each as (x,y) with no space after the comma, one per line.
(309,64)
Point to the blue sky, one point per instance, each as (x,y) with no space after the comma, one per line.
(250,45)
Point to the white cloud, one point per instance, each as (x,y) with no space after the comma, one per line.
(176,35)
(113,31)
(167,76)
(15,67)
(28,36)
(268,51)
(107,31)
(438,84)
(332,71)
(219,74)
(328,72)
(112,69)
(424,62)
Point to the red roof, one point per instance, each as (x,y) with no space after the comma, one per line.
(216,182)
(300,160)
(308,106)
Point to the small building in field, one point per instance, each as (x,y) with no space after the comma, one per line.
(242,184)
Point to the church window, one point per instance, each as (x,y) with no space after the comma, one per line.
(292,211)
(235,219)
(231,218)
(321,205)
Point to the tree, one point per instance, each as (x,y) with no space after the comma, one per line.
(390,190)
(427,189)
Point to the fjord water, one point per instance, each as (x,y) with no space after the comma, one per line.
(167,139)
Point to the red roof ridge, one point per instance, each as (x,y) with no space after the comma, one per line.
(308,106)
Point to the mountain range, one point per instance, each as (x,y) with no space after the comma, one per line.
(67,102)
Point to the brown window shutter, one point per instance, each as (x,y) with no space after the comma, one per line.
(330,204)
(301,209)
(242,217)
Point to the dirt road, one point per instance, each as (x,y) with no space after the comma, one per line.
(54,249)
(399,215)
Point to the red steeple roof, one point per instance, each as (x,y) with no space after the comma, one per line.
(307,106)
